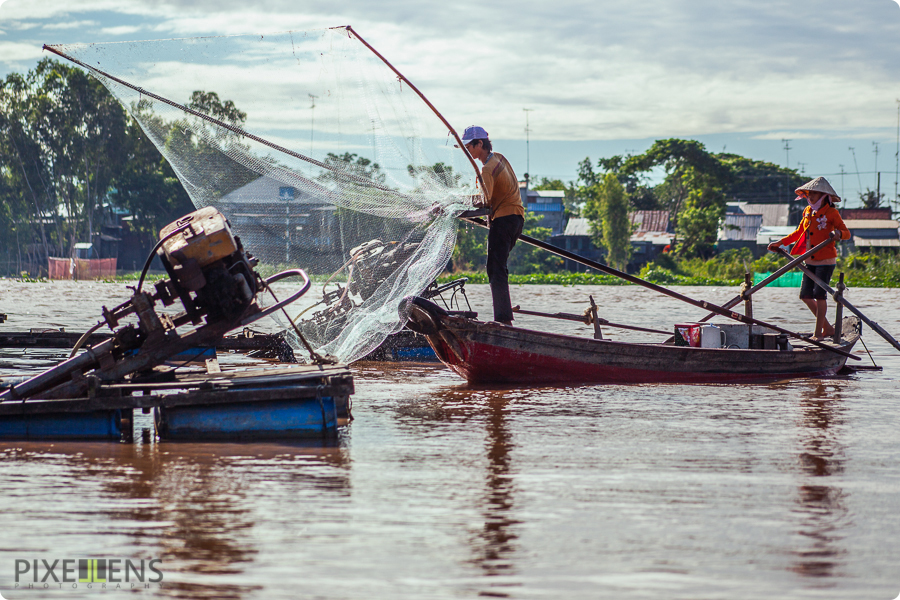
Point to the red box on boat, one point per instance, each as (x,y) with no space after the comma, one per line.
(687,334)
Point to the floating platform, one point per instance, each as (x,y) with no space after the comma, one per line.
(291,402)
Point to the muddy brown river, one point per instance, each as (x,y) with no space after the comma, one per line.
(438,489)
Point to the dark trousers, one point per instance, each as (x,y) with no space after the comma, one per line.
(809,288)
(502,237)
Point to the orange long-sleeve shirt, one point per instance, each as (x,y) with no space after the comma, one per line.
(501,188)
(814,229)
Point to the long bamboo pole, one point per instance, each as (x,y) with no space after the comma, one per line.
(424,99)
(217,122)
(843,301)
(586,320)
(662,290)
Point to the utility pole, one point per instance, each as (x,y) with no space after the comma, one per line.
(527,148)
(312,122)
(855,164)
(787,156)
(842,180)
(897,159)
(802,166)
(876,158)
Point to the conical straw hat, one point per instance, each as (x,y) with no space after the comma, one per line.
(819,184)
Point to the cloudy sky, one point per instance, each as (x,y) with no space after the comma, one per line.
(600,77)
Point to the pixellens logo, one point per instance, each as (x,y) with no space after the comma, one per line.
(90,573)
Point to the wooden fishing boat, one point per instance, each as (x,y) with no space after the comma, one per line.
(492,353)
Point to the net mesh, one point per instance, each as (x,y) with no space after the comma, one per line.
(319,156)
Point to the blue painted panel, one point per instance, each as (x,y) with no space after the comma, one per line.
(422,353)
(277,418)
(544,207)
(101,424)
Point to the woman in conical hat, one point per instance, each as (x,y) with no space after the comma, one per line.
(821,221)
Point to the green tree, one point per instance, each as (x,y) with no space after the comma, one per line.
(471,248)
(70,156)
(870,198)
(64,130)
(147,187)
(525,258)
(607,211)
(439,172)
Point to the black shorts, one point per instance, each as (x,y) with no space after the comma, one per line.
(809,289)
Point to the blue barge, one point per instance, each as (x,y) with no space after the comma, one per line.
(290,402)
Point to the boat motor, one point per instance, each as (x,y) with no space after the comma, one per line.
(212,277)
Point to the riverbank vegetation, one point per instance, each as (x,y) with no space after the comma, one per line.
(726,269)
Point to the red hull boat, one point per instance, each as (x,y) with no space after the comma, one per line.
(491,353)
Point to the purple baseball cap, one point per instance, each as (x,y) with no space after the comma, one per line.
(474,132)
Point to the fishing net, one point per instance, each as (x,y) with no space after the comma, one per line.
(316,152)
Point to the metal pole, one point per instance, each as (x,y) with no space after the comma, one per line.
(787,156)
(897,159)
(856,164)
(312,122)
(527,149)
(876,155)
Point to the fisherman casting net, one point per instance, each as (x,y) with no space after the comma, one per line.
(317,153)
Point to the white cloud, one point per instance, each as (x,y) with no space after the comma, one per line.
(71,25)
(599,69)
(14,52)
(120,30)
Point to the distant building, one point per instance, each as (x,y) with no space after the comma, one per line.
(739,231)
(870,234)
(576,238)
(281,224)
(746,223)
(651,233)
(767,235)
(879,214)
(546,204)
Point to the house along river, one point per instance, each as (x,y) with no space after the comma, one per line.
(441,490)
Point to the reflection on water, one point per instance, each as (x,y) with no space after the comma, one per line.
(493,543)
(438,490)
(195,506)
(495,549)
(821,503)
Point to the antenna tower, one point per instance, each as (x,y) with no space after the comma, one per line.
(527,148)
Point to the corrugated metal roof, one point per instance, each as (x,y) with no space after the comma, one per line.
(870,224)
(547,193)
(747,227)
(766,235)
(876,242)
(773,215)
(657,238)
(866,213)
(577,226)
(650,220)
